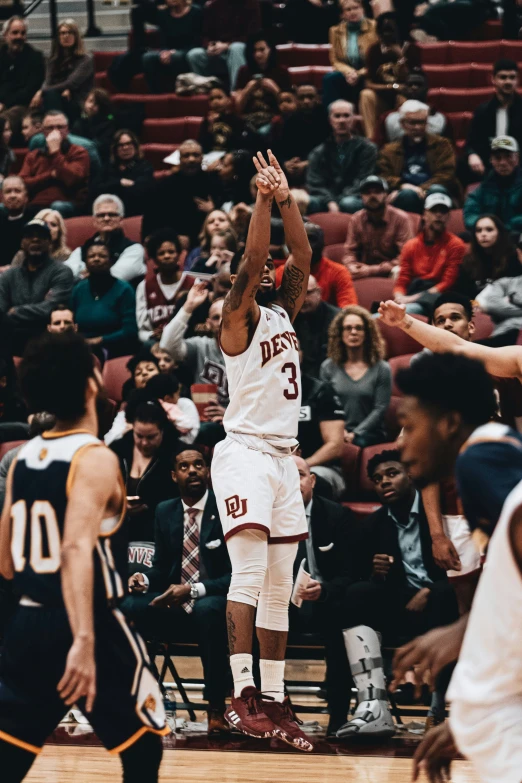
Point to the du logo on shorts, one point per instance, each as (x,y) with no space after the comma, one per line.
(236,506)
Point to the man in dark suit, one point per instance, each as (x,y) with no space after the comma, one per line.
(400,592)
(183,595)
(328,552)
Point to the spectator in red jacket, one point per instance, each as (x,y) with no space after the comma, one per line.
(226,26)
(429,263)
(57,175)
(333,279)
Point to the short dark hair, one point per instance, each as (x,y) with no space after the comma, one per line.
(453,298)
(186,447)
(150,412)
(155,241)
(505,65)
(219,85)
(59,308)
(450,382)
(388,455)
(54,374)
(160,385)
(144,355)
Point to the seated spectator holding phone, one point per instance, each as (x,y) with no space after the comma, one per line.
(223,247)
(158,294)
(215,221)
(221,129)
(201,355)
(57,176)
(145,460)
(176,601)
(376,234)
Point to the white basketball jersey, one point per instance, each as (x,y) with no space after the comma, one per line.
(489,670)
(265,382)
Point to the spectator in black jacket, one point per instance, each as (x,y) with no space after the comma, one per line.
(311,326)
(328,553)
(169,605)
(14,214)
(97,122)
(127,175)
(22,71)
(182,200)
(302,131)
(222,129)
(500,116)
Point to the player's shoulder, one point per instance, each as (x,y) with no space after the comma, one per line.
(493,433)
(491,446)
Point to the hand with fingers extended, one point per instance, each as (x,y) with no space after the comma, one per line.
(79,679)
(197,294)
(392,313)
(267,180)
(434,755)
(428,654)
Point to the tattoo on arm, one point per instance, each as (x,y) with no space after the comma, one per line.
(286,202)
(231,629)
(292,285)
(235,295)
(408,322)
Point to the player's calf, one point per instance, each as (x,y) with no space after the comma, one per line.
(141,761)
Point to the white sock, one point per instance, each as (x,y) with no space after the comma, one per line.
(241,665)
(273,678)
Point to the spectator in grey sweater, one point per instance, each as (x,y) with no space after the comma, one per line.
(358,375)
(502,300)
(28,292)
(338,166)
(201,355)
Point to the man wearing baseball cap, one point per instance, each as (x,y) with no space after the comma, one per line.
(429,263)
(501,190)
(29,292)
(376,234)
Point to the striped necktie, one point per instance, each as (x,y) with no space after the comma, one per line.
(190,560)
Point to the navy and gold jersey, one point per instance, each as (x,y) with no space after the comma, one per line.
(43,474)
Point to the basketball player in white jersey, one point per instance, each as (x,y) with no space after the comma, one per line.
(255,479)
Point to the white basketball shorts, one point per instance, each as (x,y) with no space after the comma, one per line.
(491,738)
(458,531)
(259,491)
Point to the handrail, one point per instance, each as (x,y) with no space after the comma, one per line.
(53,14)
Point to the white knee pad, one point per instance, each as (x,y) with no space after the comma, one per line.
(272,610)
(248,554)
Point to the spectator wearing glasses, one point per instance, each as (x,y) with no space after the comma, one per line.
(57,176)
(22,71)
(358,374)
(70,73)
(127,257)
(127,174)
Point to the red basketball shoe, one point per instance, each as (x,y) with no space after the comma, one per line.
(247,714)
(287,724)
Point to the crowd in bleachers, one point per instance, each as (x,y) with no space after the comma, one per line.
(127,189)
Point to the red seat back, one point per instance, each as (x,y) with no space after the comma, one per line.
(475,51)
(483,326)
(132,228)
(79,229)
(309,74)
(114,375)
(434,54)
(399,363)
(335,252)
(456,222)
(373,289)
(399,343)
(8,445)
(292,54)
(334,225)
(171,130)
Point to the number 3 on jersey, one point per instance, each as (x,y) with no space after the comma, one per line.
(291,371)
(42,514)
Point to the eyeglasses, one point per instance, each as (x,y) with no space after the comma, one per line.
(66,32)
(126,144)
(357,328)
(107,215)
(62,126)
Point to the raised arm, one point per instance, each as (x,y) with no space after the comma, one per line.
(504,362)
(97,469)
(297,269)
(241,311)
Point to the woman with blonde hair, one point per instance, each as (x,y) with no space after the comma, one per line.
(59,250)
(358,374)
(70,73)
(215,221)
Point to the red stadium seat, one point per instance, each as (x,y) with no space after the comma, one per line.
(480,75)
(391,420)
(512,50)
(366,486)
(79,229)
(303,54)
(447,100)
(456,222)
(335,252)
(334,225)
(434,54)
(373,289)
(474,51)
(350,460)
(460,122)
(483,326)
(309,74)
(155,154)
(171,131)
(114,375)
(102,60)
(399,343)
(361,509)
(488,31)
(168,105)
(8,445)
(132,228)
(415,221)
(398,363)
(449,76)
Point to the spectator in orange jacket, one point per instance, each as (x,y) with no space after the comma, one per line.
(429,263)
(57,175)
(334,280)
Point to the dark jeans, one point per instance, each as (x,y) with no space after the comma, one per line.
(52,99)
(206,625)
(454,21)
(336,87)
(506,338)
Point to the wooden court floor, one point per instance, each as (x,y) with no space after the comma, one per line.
(59,764)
